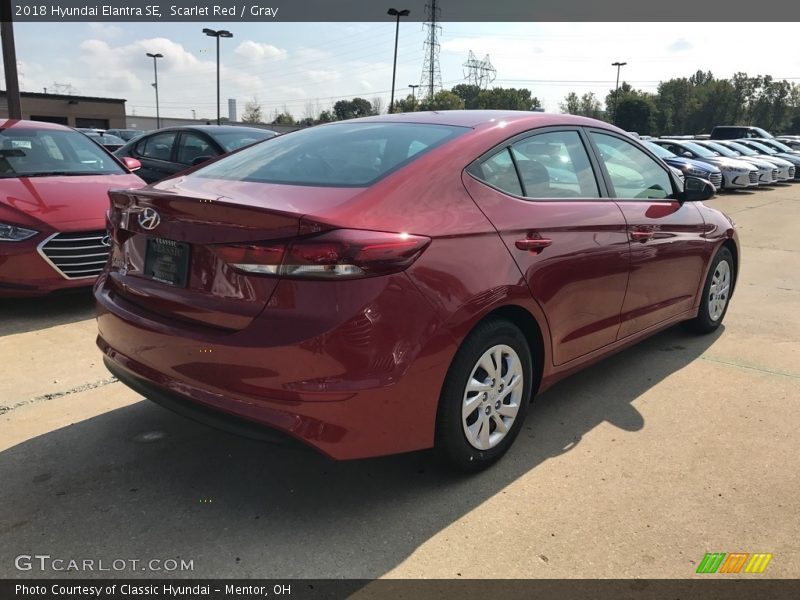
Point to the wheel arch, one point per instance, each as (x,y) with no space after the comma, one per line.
(731,245)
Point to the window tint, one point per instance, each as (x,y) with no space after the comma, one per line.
(158,146)
(555,165)
(231,141)
(633,173)
(340,155)
(499,172)
(191,147)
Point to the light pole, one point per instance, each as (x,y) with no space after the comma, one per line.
(219,33)
(395,13)
(619,65)
(413,95)
(155,58)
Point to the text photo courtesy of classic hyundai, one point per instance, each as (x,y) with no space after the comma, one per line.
(54,184)
(405,282)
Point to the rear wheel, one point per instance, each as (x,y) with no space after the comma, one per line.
(716,294)
(485,396)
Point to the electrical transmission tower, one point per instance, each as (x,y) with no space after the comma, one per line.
(431,79)
(479,73)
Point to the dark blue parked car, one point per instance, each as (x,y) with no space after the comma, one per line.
(688,166)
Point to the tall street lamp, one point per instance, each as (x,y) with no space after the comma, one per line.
(393,12)
(619,65)
(219,33)
(155,58)
(413,95)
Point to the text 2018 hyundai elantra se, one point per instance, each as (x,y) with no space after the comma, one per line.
(402,282)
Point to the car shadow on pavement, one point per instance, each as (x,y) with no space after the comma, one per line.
(21,315)
(140,482)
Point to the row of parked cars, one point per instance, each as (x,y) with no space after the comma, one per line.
(732,157)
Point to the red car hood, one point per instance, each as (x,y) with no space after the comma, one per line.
(63,203)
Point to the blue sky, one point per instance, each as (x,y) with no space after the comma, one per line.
(308,66)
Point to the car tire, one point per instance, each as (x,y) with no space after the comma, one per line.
(716,294)
(471,440)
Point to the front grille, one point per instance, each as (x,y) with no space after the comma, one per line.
(716,179)
(774,174)
(78,254)
(791,172)
(753,176)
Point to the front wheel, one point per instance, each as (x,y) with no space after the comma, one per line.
(485,396)
(716,294)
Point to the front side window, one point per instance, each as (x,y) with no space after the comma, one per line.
(338,155)
(633,173)
(191,147)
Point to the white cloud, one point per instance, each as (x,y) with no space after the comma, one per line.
(258,51)
(105,31)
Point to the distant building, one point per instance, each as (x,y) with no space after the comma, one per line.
(71,110)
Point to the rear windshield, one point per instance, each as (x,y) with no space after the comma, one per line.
(43,152)
(339,155)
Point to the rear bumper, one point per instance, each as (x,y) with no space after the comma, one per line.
(360,386)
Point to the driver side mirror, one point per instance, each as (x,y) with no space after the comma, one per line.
(200,160)
(132,164)
(696,189)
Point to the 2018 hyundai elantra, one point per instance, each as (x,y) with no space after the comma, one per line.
(54,186)
(768,172)
(786,169)
(768,152)
(402,282)
(736,174)
(687,166)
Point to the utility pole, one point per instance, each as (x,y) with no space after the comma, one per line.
(221,33)
(10,60)
(413,96)
(393,12)
(155,58)
(619,65)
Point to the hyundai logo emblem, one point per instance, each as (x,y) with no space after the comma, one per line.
(106,240)
(149,219)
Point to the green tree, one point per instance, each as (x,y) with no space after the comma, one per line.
(407,104)
(253,113)
(468,93)
(352,109)
(283,118)
(571,104)
(326,116)
(507,99)
(442,100)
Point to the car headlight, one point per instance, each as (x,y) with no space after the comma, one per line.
(696,173)
(14,233)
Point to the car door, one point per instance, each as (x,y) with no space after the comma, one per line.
(667,237)
(194,148)
(541,192)
(156,153)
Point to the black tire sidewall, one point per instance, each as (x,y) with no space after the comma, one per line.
(704,322)
(451,442)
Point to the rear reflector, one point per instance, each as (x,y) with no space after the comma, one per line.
(337,254)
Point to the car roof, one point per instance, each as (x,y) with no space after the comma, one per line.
(478,118)
(212,128)
(8,123)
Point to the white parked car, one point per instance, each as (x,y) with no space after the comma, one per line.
(768,172)
(786,170)
(736,174)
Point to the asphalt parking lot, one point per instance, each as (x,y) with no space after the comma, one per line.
(636,467)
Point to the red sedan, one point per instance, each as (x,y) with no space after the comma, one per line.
(54,186)
(408,281)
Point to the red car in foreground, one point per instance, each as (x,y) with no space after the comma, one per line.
(401,282)
(54,184)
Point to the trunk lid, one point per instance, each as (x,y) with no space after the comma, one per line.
(151,254)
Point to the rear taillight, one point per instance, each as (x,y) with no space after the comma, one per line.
(337,254)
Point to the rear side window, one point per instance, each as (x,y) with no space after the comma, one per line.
(340,155)
(555,165)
